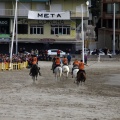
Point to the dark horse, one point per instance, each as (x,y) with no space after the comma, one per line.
(34,72)
(81,77)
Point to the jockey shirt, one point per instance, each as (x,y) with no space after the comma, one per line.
(34,60)
(65,61)
(76,62)
(57,61)
(81,65)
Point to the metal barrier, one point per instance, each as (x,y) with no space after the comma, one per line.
(13,66)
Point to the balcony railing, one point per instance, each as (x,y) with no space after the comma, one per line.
(23,12)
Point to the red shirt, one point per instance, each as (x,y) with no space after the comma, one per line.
(58,52)
(34,60)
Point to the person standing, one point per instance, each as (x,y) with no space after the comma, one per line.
(69,59)
(86,58)
(58,53)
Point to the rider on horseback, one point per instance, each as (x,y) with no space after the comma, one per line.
(53,62)
(34,63)
(65,61)
(57,63)
(75,64)
(81,68)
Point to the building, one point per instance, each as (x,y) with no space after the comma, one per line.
(105,32)
(41,24)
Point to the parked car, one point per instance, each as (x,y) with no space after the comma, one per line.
(102,53)
(53,52)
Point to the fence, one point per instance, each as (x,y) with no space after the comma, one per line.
(14,66)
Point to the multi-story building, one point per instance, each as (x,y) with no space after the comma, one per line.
(105,33)
(41,24)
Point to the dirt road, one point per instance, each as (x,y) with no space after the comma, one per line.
(47,99)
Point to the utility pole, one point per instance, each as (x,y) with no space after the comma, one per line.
(113,28)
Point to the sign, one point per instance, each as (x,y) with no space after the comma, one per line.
(45,40)
(4,22)
(55,22)
(48,15)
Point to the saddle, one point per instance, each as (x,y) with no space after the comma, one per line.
(65,65)
(75,67)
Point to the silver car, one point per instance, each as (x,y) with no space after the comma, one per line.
(53,52)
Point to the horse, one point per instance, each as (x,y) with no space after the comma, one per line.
(58,72)
(74,74)
(34,72)
(81,77)
(65,70)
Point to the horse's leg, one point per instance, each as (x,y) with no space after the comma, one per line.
(33,78)
(60,75)
(55,76)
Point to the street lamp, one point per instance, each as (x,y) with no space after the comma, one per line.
(82,32)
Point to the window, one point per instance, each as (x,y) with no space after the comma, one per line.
(36,29)
(22,29)
(60,29)
(109,8)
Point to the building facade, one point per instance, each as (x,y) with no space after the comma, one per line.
(41,24)
(105,33)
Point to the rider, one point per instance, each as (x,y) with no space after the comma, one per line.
(65,61)
(75,64)
(34,62)
(81,68)
(57,63)
(53,62)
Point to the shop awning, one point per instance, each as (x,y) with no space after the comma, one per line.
(4,36)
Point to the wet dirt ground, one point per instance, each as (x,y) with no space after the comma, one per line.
(48,99)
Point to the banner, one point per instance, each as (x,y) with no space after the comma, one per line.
(36,15)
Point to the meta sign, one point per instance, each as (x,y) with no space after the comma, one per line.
(49,15)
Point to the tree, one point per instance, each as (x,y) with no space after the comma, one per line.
(96,7)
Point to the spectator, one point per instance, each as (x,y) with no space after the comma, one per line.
(58,53)
(69,59)
(85,58)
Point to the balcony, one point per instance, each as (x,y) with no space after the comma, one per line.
(10,12)
(24,13)
(111,1)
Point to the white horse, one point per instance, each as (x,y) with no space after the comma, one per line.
(58,72)
(75,74)
(65,70)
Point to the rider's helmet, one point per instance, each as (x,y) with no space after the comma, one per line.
(81,60)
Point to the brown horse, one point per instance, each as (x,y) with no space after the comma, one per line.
(81,77)
(35,70)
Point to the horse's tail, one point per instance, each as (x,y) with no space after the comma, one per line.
(66,69)
(60,71)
